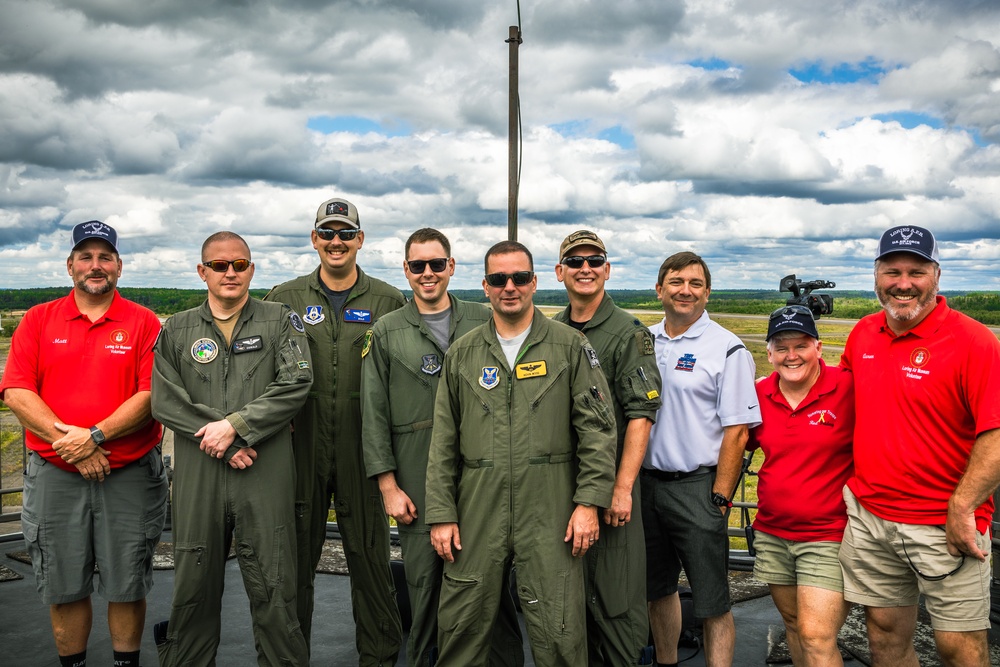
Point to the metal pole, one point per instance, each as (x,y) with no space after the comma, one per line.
(513,41)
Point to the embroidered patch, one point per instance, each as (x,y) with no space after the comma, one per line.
(822,418)
(314,315)
(652,394)
(367,347)
(644,342)
(920,356)
(303,364)
(686,363)
(358,315)
(296,322)
(490,377)
(250,344)
(531,369)
(592,356)
(204,350)
(119,336)
(430,364)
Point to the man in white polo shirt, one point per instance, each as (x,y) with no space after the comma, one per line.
(693,460)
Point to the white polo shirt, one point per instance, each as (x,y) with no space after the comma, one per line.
(708,384)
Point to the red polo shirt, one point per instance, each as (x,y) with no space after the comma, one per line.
(922,398)
(807,458)
(85,370)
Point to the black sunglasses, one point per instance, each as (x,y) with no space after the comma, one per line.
(500,279)
(222,265)
(330,234)
(576,261)
(437,265)
(789,310)
(930,577)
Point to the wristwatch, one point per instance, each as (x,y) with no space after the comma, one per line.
(721,500)
(97,435)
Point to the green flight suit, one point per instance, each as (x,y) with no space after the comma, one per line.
(258,383)
(513,451)
(328,461)
(399,379)
(617,616)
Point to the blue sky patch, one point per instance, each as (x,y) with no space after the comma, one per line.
(866,71)
(356,125)
(618,135)
(712,63)
(910,119)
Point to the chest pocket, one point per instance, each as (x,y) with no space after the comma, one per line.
(549,400)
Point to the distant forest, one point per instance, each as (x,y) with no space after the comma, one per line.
(848,304)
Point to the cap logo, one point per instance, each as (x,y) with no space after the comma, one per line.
(905,237)
(336,208)
(96,229)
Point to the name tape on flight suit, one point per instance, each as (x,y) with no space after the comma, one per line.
(531,369)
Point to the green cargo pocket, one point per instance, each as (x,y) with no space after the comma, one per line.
(611,585)
(544,608)
(461,607)
(253,575)
(189,560)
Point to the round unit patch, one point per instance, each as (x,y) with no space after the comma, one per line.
(119,336)
(204,350)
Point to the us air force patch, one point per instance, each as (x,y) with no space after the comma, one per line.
(430,364)
(367,347)
(490,377)
(204,350)
(296,322)
(314,315)
(532,369)
(592,356)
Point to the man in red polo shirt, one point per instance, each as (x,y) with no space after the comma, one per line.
(78,378)
(927,459)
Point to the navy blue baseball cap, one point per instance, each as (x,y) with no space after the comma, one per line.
(908,238)
(792,318)
(95,229)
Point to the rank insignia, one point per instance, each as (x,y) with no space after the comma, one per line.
(296,322)
(314,315)
(532,369)
(204,350)
(490,377)
(430,364)
(367,347)
(358,315)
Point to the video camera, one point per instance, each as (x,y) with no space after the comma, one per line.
(819,304)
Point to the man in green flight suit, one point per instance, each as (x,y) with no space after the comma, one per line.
(522,455)
(617,618)
(227,378)
(400,373)
(339,304)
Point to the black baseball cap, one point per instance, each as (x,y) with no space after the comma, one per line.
(908,238)
(792,318)
(95,229)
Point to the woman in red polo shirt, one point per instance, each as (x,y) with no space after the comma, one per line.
(807,410)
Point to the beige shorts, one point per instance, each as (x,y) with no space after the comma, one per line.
(889,564)
(789,563)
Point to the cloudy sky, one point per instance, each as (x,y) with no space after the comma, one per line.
(769,137)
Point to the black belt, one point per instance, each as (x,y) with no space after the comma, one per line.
(670,476)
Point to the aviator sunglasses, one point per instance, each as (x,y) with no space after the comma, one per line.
(221,265)
(576,261)
(437,265)
(344,234)
(520,278)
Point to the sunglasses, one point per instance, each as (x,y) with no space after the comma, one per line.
(520,278)
(576,261)
(221,265)
(418,265)
(790,310)
(344,234)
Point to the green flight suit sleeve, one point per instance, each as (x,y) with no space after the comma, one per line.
(594,422)
(376,410)
(170,402)
(445,449)
(638,385)
(284,396)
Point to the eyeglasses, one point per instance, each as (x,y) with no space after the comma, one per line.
(790,310)
(221,265)
(520,278)
(418,265)
(576,261)
(930,577)
(330,234)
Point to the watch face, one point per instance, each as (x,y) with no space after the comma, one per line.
(97,435)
